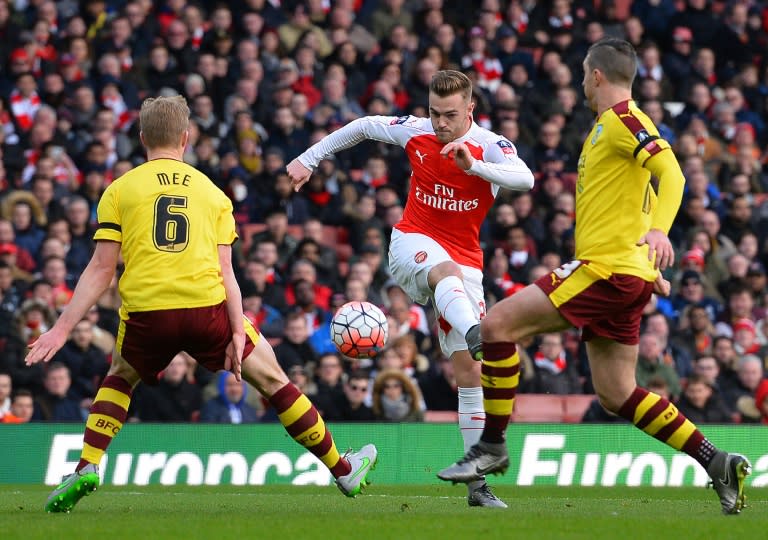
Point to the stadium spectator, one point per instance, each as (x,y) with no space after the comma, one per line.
(33,318)
(264,278)
(329,386)
(396,398)
(304,270)
(86,362)
(555,371)
(265,318)
(295,349)
(438,386)
(650,364)
(691,293)
(324,256)
(318,318)
(229,405)
(22,408)
(676,357)
(28,219)
(276,233)
(352,407)
(701,404)
(740,397)
(24,260)
(57,403)
(695,334)
(102,337)
(173,399)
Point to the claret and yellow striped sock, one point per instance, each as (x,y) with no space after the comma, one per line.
(302,422)
(661,419)
(500,375)
(108,412)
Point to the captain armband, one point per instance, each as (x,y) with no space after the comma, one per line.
(649,146)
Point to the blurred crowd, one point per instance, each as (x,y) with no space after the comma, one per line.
(267,78)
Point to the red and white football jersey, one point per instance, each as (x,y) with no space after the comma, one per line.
(445,202)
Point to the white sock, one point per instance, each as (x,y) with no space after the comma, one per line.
(471,421)
(453,304)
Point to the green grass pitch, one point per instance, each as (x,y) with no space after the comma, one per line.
(398,512)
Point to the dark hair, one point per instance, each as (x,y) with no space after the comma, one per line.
(696,378)
(616,58)
(657,382)
(721,337)
(22,392)
(358,375)
(55,366)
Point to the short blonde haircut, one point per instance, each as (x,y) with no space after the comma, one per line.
(449,82)
(163,120)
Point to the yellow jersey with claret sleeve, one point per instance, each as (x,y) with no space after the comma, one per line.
(169,218)
(615,198)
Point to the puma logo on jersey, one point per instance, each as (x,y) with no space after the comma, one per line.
(420,156)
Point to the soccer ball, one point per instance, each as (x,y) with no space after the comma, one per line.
(359,329)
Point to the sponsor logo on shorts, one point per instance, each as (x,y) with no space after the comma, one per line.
(420,257)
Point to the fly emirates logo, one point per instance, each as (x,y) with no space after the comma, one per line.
(444,198)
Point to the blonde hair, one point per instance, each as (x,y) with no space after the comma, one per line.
(163,120)
(449,82)
(411,392)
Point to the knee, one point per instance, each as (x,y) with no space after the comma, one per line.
(124,371)
(612,399)
(443,270)
(493,329)
(261,369)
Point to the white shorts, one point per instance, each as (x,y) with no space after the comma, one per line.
(411,257)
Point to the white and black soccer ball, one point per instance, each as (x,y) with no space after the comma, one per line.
(359,330)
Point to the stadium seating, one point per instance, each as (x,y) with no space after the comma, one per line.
(538,408)
(575,405)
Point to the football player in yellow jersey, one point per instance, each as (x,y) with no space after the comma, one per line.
(175,231)
(621,246)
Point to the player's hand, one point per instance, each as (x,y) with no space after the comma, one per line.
(234,358)
(460,154)
(43,349)
(661,286)
(660,249)
(298,174)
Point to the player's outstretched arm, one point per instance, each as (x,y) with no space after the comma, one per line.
(388,129)
(93,282)
(234,359)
